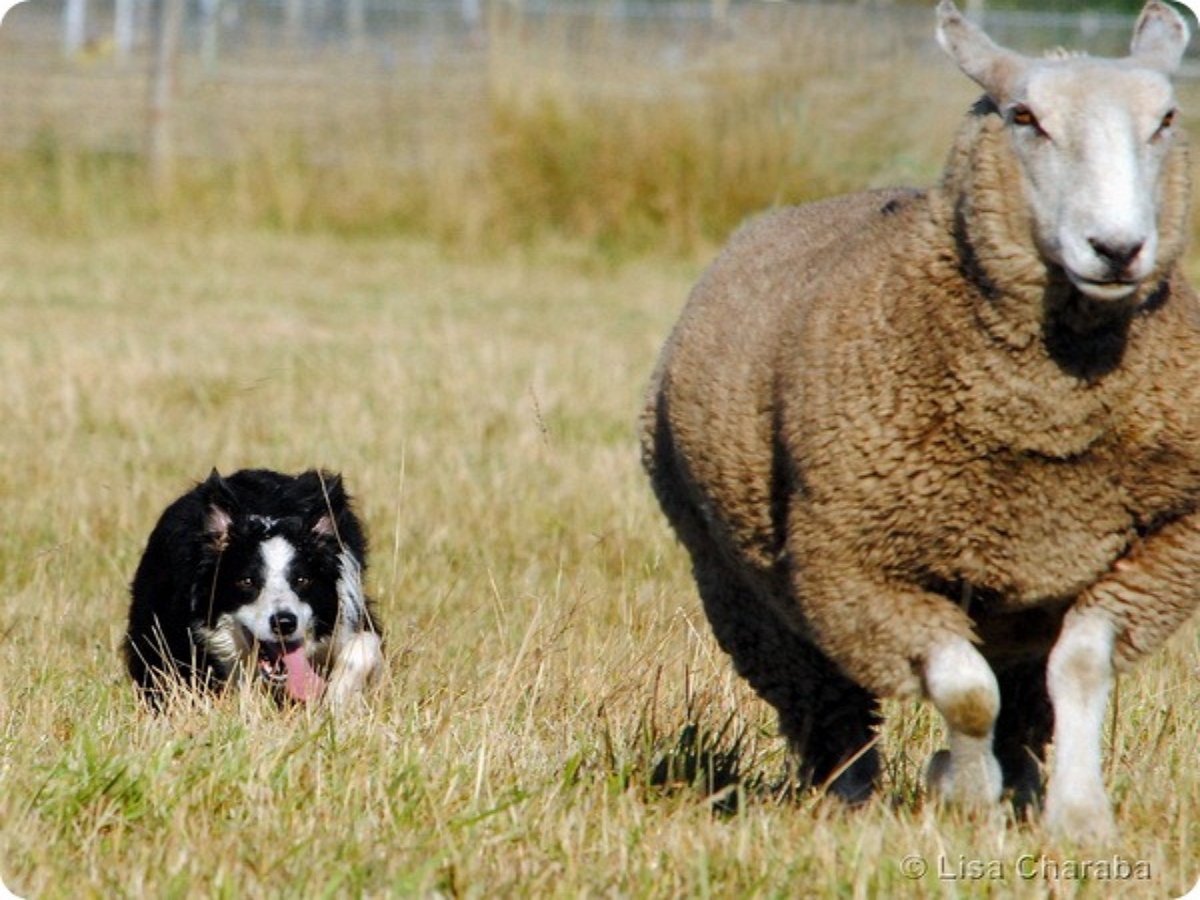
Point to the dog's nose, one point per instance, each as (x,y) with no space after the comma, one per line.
(283,623)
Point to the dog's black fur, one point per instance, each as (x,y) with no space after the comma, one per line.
(217,597)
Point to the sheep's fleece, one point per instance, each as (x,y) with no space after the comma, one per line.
(887,422)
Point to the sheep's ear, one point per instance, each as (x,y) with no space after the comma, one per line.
(992,67)
(1159,38)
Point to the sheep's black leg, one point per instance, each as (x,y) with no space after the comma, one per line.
(827,719)
(1023,729)
(830,726)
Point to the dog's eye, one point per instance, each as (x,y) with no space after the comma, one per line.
(302,581)
(244,584)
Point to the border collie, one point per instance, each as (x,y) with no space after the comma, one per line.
(258,574)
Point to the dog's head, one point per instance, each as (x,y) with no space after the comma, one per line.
(280,554)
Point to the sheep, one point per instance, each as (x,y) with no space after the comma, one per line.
(946,443)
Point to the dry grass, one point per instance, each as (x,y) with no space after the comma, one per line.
(556,720)
(552,684)
(628,138)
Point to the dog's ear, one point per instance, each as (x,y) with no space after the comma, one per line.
(220,503)
(217,523)
(331,488)
(215,487)
(328,505)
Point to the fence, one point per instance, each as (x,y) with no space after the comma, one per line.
(88,62)
(408,85)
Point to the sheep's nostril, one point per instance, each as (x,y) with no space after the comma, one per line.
(1117,254)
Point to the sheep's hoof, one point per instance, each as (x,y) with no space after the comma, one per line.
(1023,781)
(974,784)
(855,785)
(937,772)
(1081,820)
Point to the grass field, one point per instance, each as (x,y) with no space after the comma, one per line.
(548,660)
(556,719)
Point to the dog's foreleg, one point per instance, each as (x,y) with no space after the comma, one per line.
(358,662)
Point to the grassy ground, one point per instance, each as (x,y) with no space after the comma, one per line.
(552,685)
(467,341)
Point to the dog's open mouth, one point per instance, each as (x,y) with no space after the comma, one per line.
(287,666)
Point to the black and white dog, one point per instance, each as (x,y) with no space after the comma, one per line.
(256,574)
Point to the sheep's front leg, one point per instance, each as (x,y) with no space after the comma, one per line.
(1079,678)
(963,688)
(1122,618)
(900,641)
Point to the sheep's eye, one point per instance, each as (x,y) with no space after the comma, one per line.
(1023,117)
(1167,121)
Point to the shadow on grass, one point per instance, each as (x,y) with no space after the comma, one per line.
(710,751)
(710,763)
(722,765)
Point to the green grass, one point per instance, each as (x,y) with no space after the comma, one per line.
(555,717)
(467,341)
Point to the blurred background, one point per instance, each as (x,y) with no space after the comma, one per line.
(628,124)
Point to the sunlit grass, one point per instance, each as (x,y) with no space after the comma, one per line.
(556,719)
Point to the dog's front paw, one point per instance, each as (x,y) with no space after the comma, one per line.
(359,663)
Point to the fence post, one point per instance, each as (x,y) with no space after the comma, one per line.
(720,12)
(356,23)
(472,16)
(74,27)
(162,92)
(210,33)
(124,29)
(293,21)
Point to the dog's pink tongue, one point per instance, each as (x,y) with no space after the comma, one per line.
(303,682)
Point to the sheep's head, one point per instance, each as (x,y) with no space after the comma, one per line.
(1091,137)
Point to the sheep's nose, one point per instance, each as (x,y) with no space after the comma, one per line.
(283,623)
(1117,254)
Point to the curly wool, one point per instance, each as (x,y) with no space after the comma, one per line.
(882,420)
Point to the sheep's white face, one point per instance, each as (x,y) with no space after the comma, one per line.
(1091,159)
(1091,137)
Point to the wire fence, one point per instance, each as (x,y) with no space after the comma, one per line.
(329,73)
(217,29)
